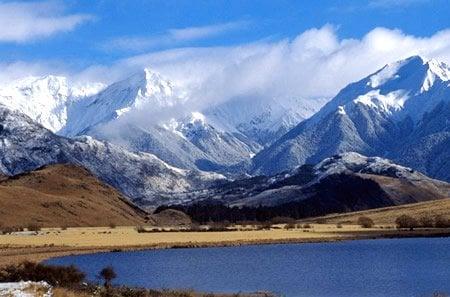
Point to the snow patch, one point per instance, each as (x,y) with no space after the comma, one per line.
(393,101)
(26,289)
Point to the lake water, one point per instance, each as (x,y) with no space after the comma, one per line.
(383,267)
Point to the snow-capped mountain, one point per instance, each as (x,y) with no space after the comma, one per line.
(262,120)
(26,145)
(45,99)
(388,113)
(142,113)
(146,89)
(341,183)
(128,113)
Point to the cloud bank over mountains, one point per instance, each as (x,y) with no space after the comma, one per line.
(314,64)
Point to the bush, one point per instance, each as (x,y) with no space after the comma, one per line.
(426,222)
(112,225)
(339,225)
(9,230)
(108,274)
(365,222)
(442,222)
(306,226)
(405,221)
(282,220)
(263,226)
(140,229)
(218,226)
(195,227)
(34,227)
(290,226)
(54,275)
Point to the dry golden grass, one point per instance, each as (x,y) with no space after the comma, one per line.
(387,215)
(53,242)
(128,236)
(61,292)
(49,243)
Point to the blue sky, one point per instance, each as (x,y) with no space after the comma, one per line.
(112,30)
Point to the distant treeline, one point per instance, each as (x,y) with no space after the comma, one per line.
(215,212)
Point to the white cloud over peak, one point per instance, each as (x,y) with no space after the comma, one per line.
(315,64)
(26,21)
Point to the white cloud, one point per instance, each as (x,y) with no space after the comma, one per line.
(25,21)
(394,3)
(194,33)
(315,64)
(171,37)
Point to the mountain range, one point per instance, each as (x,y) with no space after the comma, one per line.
(140,136)
(343,183)
(128,113)
(400,112)
(26,145)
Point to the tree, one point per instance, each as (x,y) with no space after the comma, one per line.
(108,274)
(365,222)
(442,222)
(405,221)
(426,221)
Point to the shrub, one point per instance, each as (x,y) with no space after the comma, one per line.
(54,275)
(339,225)
(140,229)
(365,222)
(307,226)
(218,226)
(282,220)
(33,227)
(442,222)
(266,226)
(112,225)
(195,227)
(9,230)
(405,221)
(108,274)
(426,222)
(290,226)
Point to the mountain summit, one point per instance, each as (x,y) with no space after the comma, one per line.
(384,114)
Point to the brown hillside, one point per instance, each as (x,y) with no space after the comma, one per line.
(63,195)
(387,215)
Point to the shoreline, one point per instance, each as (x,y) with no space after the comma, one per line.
(14,254)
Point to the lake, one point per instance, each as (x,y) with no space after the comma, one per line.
(382,267)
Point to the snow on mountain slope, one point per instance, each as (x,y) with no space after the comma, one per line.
(341,183)
(44,99)
(141,90)
(146,112)
(26,145)
(262,120)
(378,115)
(357,163)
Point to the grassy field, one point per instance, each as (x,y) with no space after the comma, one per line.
(53,242)
(387,215)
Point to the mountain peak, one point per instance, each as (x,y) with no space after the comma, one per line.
(148,82)
(411,73)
